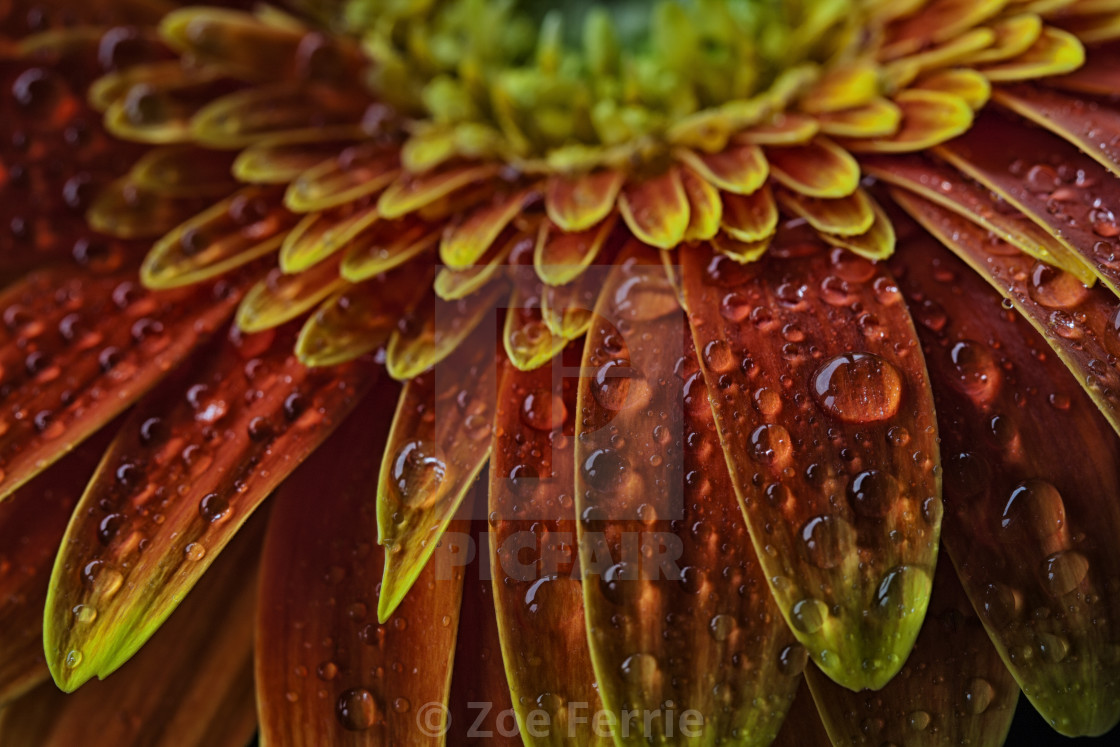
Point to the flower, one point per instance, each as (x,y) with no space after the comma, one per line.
(788,296)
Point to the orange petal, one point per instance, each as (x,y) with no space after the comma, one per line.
(320,235)
(439,442)
(739,168)
(560,257)
(845,216)
(358,171)
(134,548)
(156,103)
(279,298)
(452,285)
(878,119)
(325,668)
(539,603)
(875,243)
(947,187)
(1054,53)
(928,118)
(281,160)
(184,171)
(935,22)
(1014,36)
(409,193)
(386,245)
(704,206)
(279,111)
(1094,129)
(967,85)
(1030,520)
(191,685)
(845,86)
(80,348)
(1099,76)
(788,128)
(660,530)
(898,73)
(578,203)
(360,318)
(32,522)
(858,614)
(527,340)
(232,233)
(656,209)
(466,243)
(750,218)
(820,168)
(1099,28)
(1076,213)
(958,691)
(126,211)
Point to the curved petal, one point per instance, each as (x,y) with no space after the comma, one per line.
(826,419)
(190,465)
(1030,520)
(326,671)
(661,536)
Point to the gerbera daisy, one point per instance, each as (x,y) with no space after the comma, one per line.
(691,371)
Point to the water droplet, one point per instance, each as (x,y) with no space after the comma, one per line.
(1055,288)
(792,659)
(213,508)
(734,307)
(808,615)
(543,410)
(605,469)
(872,493)
(718,356)
(827,540)
(104,580)
(401,705)
(1035,511)
(903,590)
(84,613)
(356,709)
(195,551)
(978,695)
(978,375)
(772,444)
(721,626)
(858,388)
(611,386)
(1001,604)
(419,475)
(1054,648)
(327,671)
(918,720)
(1064,571)
(73,658)
(639,668)
(767,401)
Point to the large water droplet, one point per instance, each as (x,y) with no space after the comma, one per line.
(872,493)
(605,469)
(978,375)
(1055,288)
(771,443)
(827,540)
(419,474)
(808,615)
(543,411)
(1063,572)
(356,709)
(858,388)
(1034,511)
(639,668)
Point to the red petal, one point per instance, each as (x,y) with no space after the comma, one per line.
(819,388)
(187,469)
(1032,482)
(576,204)
(327,672)
(79,348)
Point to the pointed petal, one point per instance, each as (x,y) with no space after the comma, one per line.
(385,245)
(879,119)
(433,329)
(578,203)
(928,118)
(468,242)
(704,206)
(184,171)
(191,686)
(1055,52)
(937,21)
(567,309)
(279,298)
(155,103)
(899,73)
(439,442)
(80,348)
(409,193)
(560,257)
(1030,520)
(656,209)
(539,604)
(360,318)
(358,171)
(1077,322)
(527,340)
(280,111)
(282,160)
(820,168)
(1075,210)
(739,168)
(451,284)
(857,612)
(320,235)
(844,216)
(326,670)
(740,251)
(948,188)
(846,86)
(1014,36)
(661,533)
(136,545)
(967,85)
(1094,128)
(232,233)
(788,128)
(954,690)
(750,218)
(32,522)
(874,244)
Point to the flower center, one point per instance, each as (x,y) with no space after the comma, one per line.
(550,85)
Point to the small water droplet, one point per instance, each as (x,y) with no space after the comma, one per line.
(721,626)
(418,474)
(978,695)
(771,443)
(195,551)
(808,615)
(918,720)
(84,613)
(356,709)
(73,658)
(1064,571)
(639,668)
(872,493)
